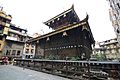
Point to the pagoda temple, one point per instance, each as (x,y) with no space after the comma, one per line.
(71,38)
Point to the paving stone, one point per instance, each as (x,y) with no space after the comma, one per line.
(9,72)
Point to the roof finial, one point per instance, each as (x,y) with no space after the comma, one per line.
(87,16)
(72,6)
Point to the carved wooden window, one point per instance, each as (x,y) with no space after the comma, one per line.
(18,52)
(13,52)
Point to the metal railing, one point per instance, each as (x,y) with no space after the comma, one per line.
(88,70)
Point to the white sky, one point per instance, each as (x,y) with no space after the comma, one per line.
(31,14)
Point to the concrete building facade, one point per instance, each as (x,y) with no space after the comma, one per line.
(114,13)
(4,26)
(109,48)
(29,50)
(13,39)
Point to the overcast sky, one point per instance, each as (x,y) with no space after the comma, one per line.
(30,14)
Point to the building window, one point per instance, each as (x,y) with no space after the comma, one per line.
(18,52)
(107,47)
(13,52)
(107,51)
(8,52)
(31,56)
(1,38)
(23,32)
(8,21)
(32,46)
(27,56)
(21,39)
(111,46)
(1,29)
(27,51)
(32,50)
(119,50)
(14,35)
(27,45)
(118,5)
(118,45)
(113,51)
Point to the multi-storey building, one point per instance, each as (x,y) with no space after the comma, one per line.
(114,12)
(110,48)
(29,50)
(4,26)
(13,39)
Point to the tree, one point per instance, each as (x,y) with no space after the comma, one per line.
(100,56)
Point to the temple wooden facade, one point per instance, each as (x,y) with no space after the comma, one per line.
(70,38)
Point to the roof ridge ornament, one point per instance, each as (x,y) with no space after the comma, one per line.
(64,33)
(47,39)
(72,6)
(87,16)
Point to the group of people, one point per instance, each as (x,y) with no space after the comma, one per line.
(4,60)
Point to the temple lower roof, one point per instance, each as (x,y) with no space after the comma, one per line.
(65,18)
(63,29)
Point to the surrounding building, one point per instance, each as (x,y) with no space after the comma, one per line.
(109,48)
(29,48)
(4,26)
(98,52)
(97,49)
(114,12)
(13,39)
(70,38)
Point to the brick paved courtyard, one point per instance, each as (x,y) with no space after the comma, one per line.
(9,72)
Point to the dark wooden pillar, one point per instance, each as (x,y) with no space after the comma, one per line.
(36,49)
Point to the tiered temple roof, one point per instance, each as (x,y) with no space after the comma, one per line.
(66,28)
(71,37)
(66,18)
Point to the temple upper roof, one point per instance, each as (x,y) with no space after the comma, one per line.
(64,19)
(82,23)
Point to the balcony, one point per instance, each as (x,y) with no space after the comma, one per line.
(8,17)
(4,24)
(7,24)
(15,38)
(11,38)
(2,14)
(17,32)
(6,30)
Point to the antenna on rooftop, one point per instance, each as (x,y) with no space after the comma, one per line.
(1,8)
